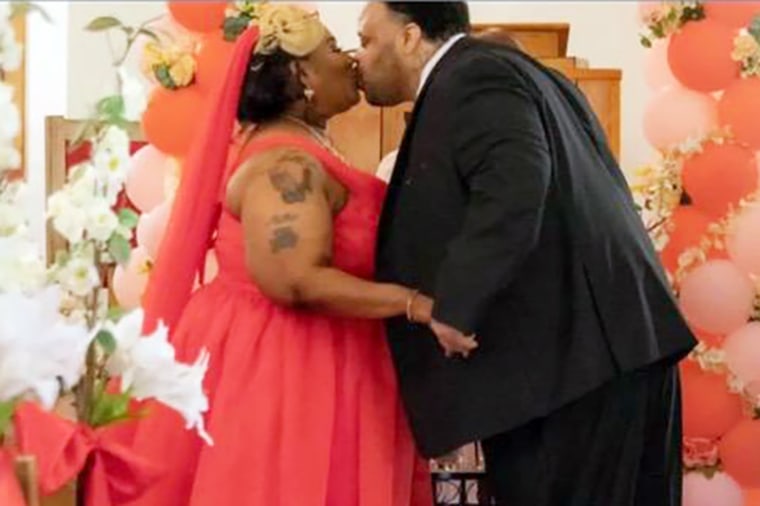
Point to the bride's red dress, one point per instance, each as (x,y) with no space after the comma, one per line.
(304,407)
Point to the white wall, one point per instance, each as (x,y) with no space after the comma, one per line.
(46,95)
(605,33)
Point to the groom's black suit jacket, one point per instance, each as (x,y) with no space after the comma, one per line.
(508,208)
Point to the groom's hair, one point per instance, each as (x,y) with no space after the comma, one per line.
(437,20)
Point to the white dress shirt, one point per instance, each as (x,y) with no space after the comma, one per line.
(433,61)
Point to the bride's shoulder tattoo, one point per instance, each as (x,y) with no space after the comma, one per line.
(292,175)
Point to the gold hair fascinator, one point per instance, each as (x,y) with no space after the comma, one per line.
(281,26)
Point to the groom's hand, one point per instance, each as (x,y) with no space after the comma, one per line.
(453,341)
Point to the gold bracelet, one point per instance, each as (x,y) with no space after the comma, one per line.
(409,302)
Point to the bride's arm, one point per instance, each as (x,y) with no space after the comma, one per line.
(287,220)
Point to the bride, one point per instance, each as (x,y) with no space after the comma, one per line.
(304,408)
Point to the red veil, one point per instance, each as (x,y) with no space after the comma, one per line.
(196,208)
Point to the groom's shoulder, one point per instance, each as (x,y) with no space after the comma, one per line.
(477,60)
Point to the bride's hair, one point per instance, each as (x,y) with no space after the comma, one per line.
(269,88)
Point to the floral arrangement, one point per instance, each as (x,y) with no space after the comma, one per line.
(61,340)
(747,49)
(668,17)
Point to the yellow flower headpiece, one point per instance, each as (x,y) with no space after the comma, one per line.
(288,28)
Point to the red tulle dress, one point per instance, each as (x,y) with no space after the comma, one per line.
(305,409)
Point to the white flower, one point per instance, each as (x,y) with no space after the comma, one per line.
(39,352)
(111,162)
(10,158)
(10,120)
(79,276)
(10,50)
(148,369)
(22,268)
(101,221)
(68,220)
(135,95)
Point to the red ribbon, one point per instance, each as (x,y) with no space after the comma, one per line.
(63,448)
(10,490)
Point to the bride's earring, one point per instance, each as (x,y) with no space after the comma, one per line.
(309,94)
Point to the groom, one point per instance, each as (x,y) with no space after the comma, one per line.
(559,331)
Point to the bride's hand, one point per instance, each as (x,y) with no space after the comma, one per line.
(422,309)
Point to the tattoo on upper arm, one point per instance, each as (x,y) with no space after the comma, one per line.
(283,238)
(290,188)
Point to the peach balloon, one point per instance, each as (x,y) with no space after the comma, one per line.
(212,59)
(656,68)
(151,228)
(709,409)
(739,453)
(720,176)
(732,14)
(739,109)
(743,241)
(719,490)
(171,118)
(198,16)
(148,168)
(743,353)
(129,281)
(717,297)
(676,114)
(700,56)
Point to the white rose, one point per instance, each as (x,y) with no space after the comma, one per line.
(71,224)
(10,158)
(101,221)
(37,348)
(10,120)
(10,49)
(79,276)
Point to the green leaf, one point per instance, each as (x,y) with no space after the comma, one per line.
(62,257)
(115,313)
(6,413)
(658,31)
(128,218)
(109,408)
(111,109)
(149,33)
(754,28)
(106,341)
(645,41)
(233,27)
(119,249)
(25,8)
(103,23)
(164,77)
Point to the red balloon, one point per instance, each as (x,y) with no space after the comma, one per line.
(212,60)
(687,226)
(721,175)
(752,497)
(700,56)
(171,118)
(739,108)
(733,14)
(198,16)
(740,453)
(709,409)
(712,340)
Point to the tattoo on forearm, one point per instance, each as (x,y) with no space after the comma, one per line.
(283,238)
(290,188)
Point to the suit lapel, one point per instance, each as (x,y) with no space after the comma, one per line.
(402,159)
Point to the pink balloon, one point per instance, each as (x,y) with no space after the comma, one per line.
(743,241)
(129,281)
(743,352)
(717,297)
(151,228)
(720,490)
(676,114)
(145,180)
(656,69)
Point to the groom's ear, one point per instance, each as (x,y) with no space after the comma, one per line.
(411,38)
